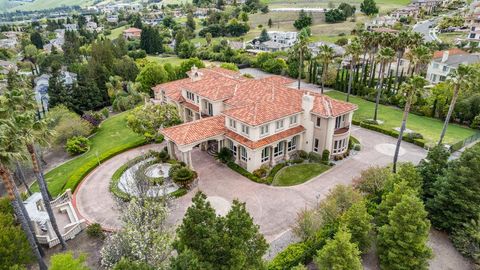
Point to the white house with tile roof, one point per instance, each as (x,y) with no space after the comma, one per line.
(262,121)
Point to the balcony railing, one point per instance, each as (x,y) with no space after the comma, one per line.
(340,131)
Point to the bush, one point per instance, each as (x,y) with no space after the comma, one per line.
(302,154)
(325,155)
(95,230)
(260,173)
(105,113)
(290,257)
(66,124)
(314,157)
(77,145)
(163,156)
(183,176)
(274,171)
(224,155)
(64,261)
(414,135)
(234,166)
(389,132)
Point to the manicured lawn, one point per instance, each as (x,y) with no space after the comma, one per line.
(430,128)
(112,137)
(116,32)
(297,174)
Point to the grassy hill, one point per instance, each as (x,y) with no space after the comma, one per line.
(6,5)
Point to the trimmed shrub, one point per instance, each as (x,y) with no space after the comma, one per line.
(314,157)
(105,113)
(77,145)
(163,156)
(290,257)
(95,230)
(325,155)
(234,166)
(260,173)
(224,155)
(183,176)
(302,154)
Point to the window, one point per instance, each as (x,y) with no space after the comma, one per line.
(445,69)
(472,35)
(434,77)
(435,65)
(340,146)
(292,144)
(233,123)
(232,147)
(189,113)
(278,150)
(210,108)
(319,120)
(265,154)
(264,130)
(243,153)
(338,121)
(198,99)
(279,124)
(245,129)
(190,96)
(293,120)
(315,145)
(443,78)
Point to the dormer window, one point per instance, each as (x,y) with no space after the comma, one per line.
(264,130)
(293,120)
(245,129)
(191,96)
(233,124)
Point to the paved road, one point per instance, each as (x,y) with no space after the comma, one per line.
(425,29)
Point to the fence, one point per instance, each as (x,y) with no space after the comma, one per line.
(458,145)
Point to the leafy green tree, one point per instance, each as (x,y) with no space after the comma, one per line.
(335,15)
(339,253)
(186,49)
(303,20)
(14,248)
(408,173)
(151,41)
(243,16)
(152,74)
(372,182)
(369,7)
(359,223)
(36,40)
(402,242)
(125,264)
(146,120)
(58,93)
(187,65)
(466,239)
(457,194)
(338,201)
(126,68)
(347,9)
(191,25)
(66,261)
(432,167)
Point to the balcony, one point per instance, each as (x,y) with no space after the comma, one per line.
(340,131)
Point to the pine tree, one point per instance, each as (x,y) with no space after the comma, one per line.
(264,36)
(359,222)
(58,93)
(270,23)
(191,25)
(457,194)
(36,40)
(369,7)
(432,167)
(390,200)
(339,253)
(402,243)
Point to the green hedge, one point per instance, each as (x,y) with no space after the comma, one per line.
(234,166)
(389,132)
(290,257)
(87,167)
(116,178)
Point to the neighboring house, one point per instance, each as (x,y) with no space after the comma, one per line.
(261,121)
(41,86)
(93,27)
(237,45)
(269,46)
(8,43)
(444,62)
(69,224)
(112,18)
(71,26)
(473,22)
(427,5)
(132,33)
(381,21)
(408,11)
(286,38)
(315,48)
(279,41)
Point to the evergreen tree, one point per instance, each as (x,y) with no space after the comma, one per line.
(402,242)
(390,200)
(359,223)
(270,23)
(369,7)
(151,41)
(264,36)
(457,194)
(36,40)
(71,47)
(137,23)
(432,167)
(339,253)
(58,93)
(191,25)
(86,95)
(303,20)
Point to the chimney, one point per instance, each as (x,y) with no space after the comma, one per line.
(195,75)
(445,56)
(307,102)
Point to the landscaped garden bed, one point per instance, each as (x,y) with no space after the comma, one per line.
(299,173)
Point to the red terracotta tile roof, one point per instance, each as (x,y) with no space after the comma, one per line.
(132,30)
(455,51)
(326,106)
(172,89)
(278,80)
(265,141)
(195,131)
(215,83)
(191,106)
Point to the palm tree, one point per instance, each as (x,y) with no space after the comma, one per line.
(325,57)
(354,49)
(22,106)
(302,47)
(419,57)
(366,41)
(459,78)
(375,40)
(9,151)
(400,45)
(385,56)
(410,91)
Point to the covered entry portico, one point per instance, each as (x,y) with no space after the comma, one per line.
(183,138)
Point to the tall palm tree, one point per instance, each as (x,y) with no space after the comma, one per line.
(375,42)
(21,104)
(400,45)
(354,49)
(419,57)
(302,46)
(459,78)
(366,41)
(9,151)
(410,91)
(325,57)
(385,56)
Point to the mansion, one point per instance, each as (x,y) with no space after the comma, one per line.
(262,121)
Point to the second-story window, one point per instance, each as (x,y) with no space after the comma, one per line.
(191,96)
(233,124)
(264,130)
(245,129)
(293,120)
(319,120)
(338,121)
(279,124)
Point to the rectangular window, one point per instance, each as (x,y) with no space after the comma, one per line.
(293,120)
(265,154)
(292,144)
(189,113)
(232,123)
(443,78)
(264,130)
(339,121)
(190,96)
(243,153)
(198,99)
(232,147)
(445,69)
(315,145)
(319,120)
(210,108)
(278,150)
(435,65)
(279,124)
(245,129)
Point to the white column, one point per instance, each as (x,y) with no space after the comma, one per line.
(190,163)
